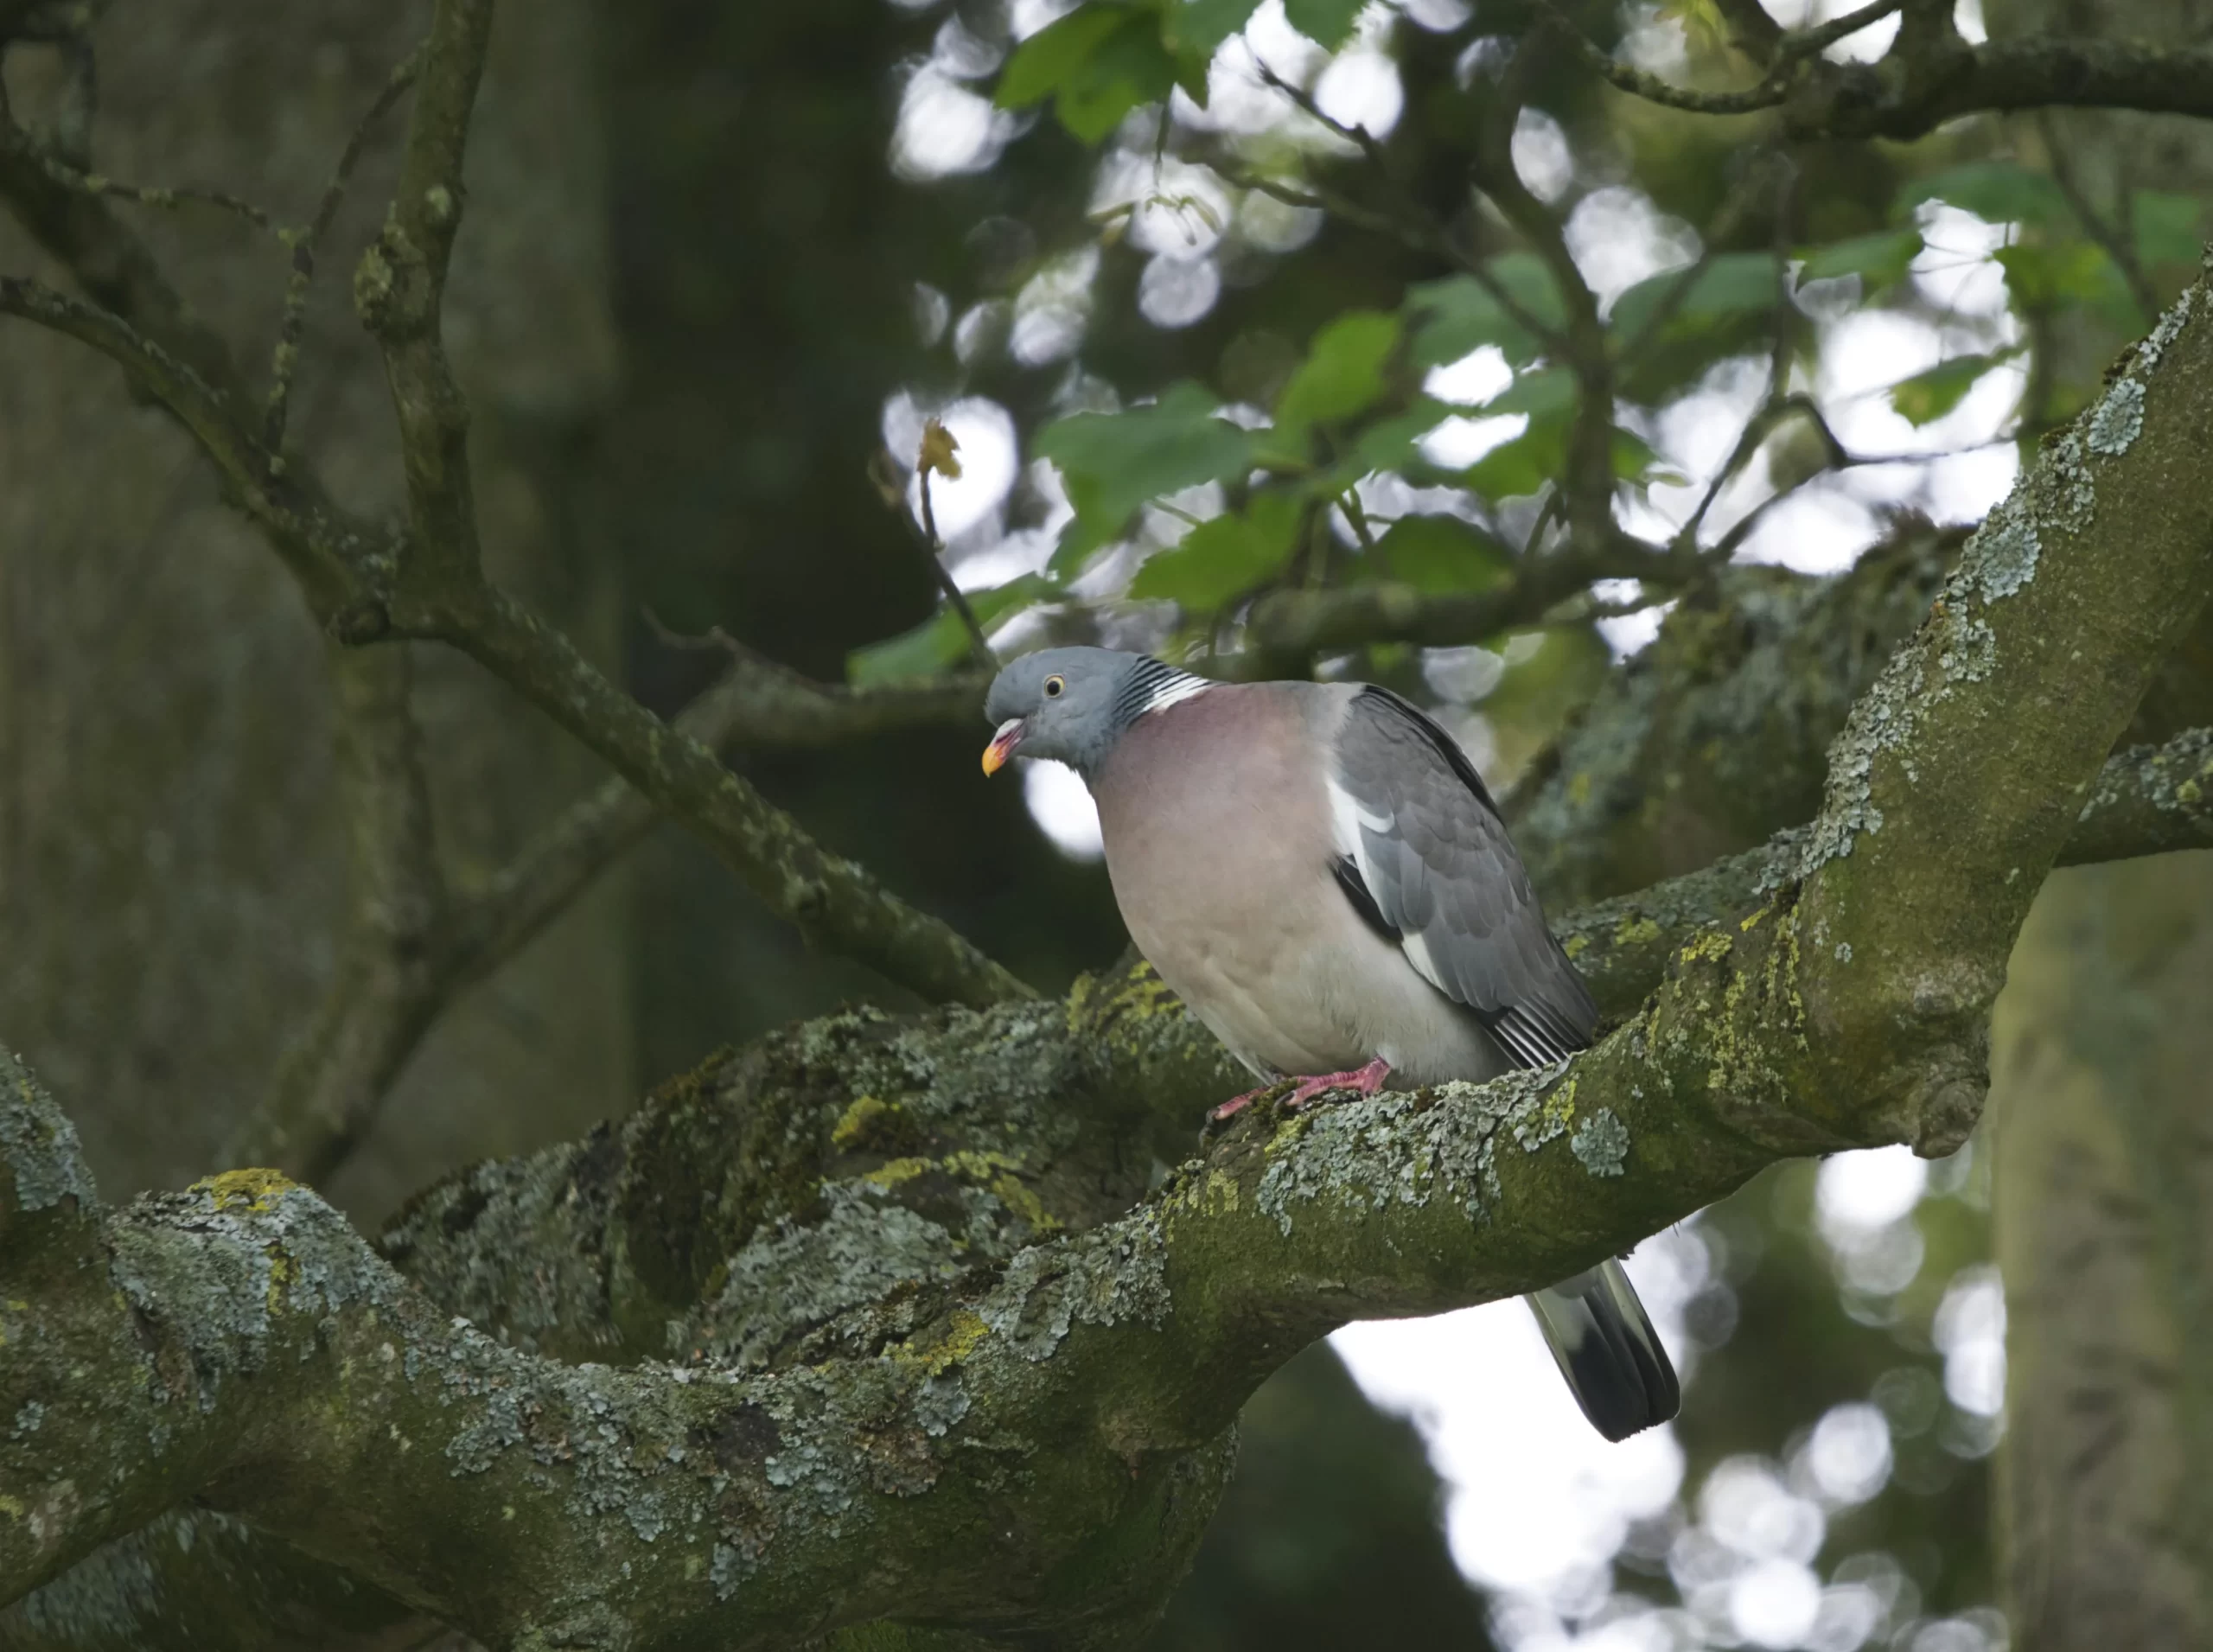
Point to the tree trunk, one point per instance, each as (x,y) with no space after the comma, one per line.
(2103,1186)
(2099,1051)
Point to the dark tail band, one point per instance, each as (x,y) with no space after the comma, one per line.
(1607,1351)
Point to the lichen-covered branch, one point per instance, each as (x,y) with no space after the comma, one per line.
(1713,738)
(874,1279)
(2146,800)
(1297,624)
(2149,799)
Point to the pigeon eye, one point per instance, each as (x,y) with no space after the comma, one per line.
(1054,687)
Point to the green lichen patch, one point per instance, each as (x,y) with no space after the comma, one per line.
(2118,418)
(1601,1143)
(1111,1275)
(254,1189)
(39,1144)
(871,1124)
(1407,1150)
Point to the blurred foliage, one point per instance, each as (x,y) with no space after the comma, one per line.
(1250,347)
(1243,351)
(1329,1536)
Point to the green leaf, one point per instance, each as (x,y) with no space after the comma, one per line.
(1926,396)
(1733,284)
(2170,229)
(1342,374)
(1997,192)
(2072,273)
(1551,391)
(1393,442)
(924,652)
(1880,260)
(1440,554)
(1224,556)
(1111,463)
(1097,64)
(1635,461)
(1458,314)
(1044,62)
(1524,464)
(941,640)
(1201,26)
(1326,23)
(1131,67)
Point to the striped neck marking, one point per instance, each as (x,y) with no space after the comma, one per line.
(1154,686)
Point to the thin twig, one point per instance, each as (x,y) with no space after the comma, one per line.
(285,358)
(1787,51)
(1627,77)
(1723,229)
(80,181)
(937,455)
(1406,219)
(1805,43)
(1588,481)
(2116,246)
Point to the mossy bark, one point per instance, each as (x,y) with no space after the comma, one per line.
(901,1334)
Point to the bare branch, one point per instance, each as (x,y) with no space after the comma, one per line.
(834,901)
(307,242)
(1641,83)
(415,944)
(937,456)
(2094,223)
(1299,623)
(1401,218)
(1930,77)
(392,974)
(400,290)
(757,705)
(1587,485)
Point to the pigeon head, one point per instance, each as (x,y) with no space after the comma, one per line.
(1072,704)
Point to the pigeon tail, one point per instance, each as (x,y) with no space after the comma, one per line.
(1607,1351)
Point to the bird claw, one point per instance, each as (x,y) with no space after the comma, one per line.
(1237,1103)
(1360,1081)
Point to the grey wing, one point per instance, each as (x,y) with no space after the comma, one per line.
(1415,827)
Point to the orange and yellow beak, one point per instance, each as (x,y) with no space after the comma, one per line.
(1003,745)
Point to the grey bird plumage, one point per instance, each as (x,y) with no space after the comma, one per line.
(1318,872)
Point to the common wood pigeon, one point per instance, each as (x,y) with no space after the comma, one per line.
(1318,872)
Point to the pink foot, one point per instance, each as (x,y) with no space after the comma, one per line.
(1364,1081)
(1361,1080)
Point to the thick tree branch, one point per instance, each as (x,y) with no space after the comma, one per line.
(2148,800)
(1028,1446)
(2036,72)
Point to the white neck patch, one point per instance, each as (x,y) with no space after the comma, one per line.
(1154,686)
